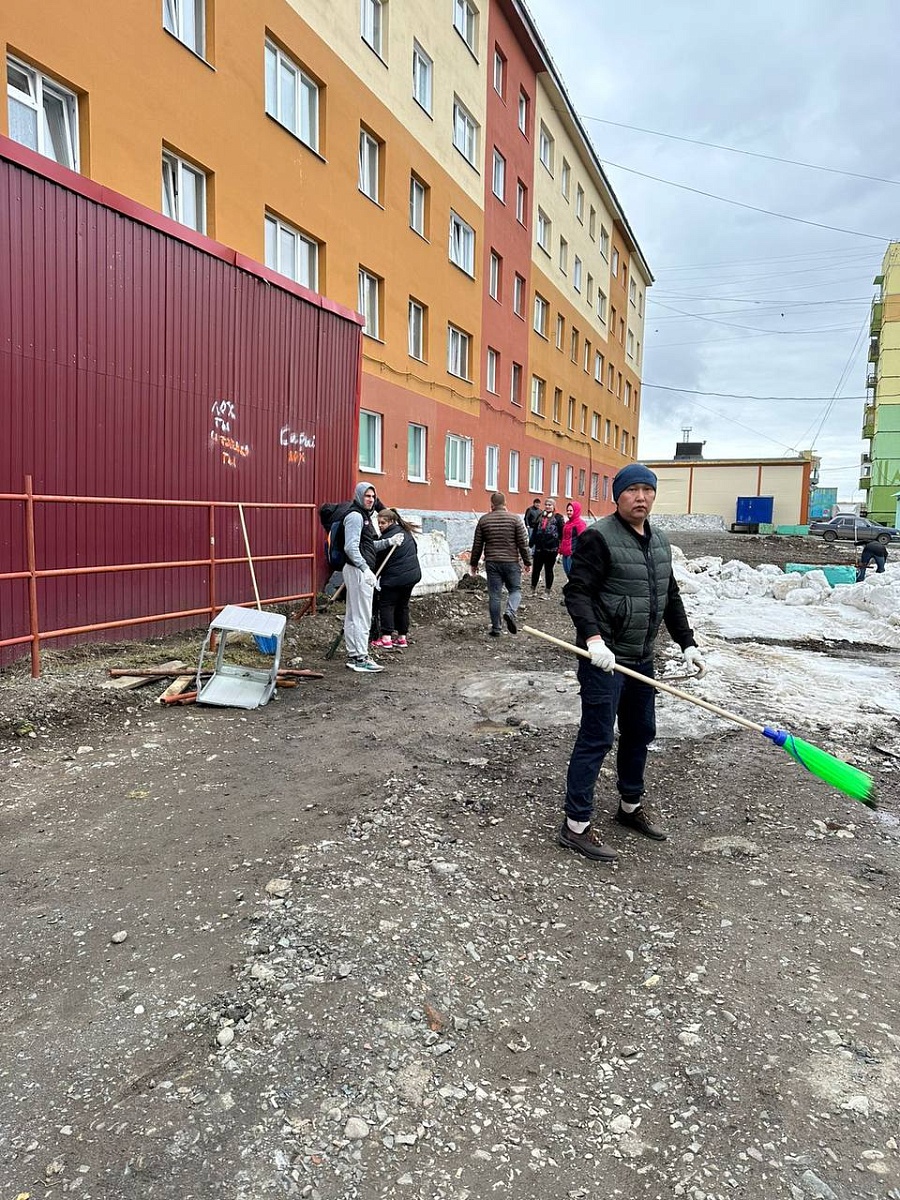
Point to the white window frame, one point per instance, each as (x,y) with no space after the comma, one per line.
(515,385)
(369,165)
(565,179)
(563,255)
(459,351)
(523,112)
(601,305)
(589,291)
(373,423)
(519,296)
(465,22)
(623,442)
(614,264)
(423,77)
(462,244)
(305,252)
(43,90)
(629,344)
(369,302)
(495,269)
(545,148)
(595,426)
(175,172)
(491,468)
(416,453)
(598,367)
(499,72)
(592,223)
(607,431)
(570,481)
(457,461)
(371,24)
(465,132)
(186,20)
(490,371)
(577,274)
(560,331)
(627,394)
(536,475)
(513,474)
(417,194)
(416,319)
(541,314)
(579,203)
(595,485)
(632,290)
(538,395)
(498,176)
(521,193)
(604,242)
(543,230)
(303,123)
(554,479)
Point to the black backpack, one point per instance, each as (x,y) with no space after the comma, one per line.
(331,517)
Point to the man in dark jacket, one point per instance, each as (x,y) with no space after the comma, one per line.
(620,591)
(875,552)
(532,515)
(500,534)
(546,535)
(361,547)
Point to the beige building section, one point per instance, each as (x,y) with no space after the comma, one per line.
(713,488)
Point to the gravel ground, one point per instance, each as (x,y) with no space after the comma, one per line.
(330,949)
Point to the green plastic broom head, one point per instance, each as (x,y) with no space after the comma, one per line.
(847,779)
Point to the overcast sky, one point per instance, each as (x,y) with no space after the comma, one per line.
(778,308)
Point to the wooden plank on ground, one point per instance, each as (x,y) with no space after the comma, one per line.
(175,688)
(137,678)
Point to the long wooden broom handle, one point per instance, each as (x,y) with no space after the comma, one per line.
(340,588)
(655,683)
(240,509)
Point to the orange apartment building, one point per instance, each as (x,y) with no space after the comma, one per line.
(417,161)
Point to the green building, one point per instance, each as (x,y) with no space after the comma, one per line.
(880,472)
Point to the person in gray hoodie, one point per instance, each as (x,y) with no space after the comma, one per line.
(361,548)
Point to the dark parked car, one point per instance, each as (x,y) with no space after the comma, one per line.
(854,529)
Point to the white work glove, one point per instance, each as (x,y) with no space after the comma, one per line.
(601,655)
(370,579)
(694,659)
(396,540)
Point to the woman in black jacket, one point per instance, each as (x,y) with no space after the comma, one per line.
(399,576)
(546,535)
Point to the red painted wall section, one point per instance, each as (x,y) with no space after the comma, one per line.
(137,364)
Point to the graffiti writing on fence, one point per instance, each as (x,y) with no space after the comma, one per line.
(224,417)
(297,444)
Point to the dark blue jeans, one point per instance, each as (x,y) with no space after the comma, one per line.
(498,575)
(606,696)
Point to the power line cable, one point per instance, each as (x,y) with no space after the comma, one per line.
(876,237)
(750,153)
(754,328)
(735,262)
(664,387)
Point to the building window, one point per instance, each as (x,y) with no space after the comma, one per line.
(627,394)
(576,274)
(523,113)
(462,244)
(371,24)
(291,254)
(624,443)
(601,306)
(563,255)
(416,443)
(640,304)
(536,475)
(513,470)
(499,73)
(565,178)
(586,358)
(418,324)
(598,367)
(292,98)
(495,273)
(557,405)
(632,290)
(592,223)
(614,266)
(417,194)
(595,426)
(541,315)
(458,461)
(637,355)
(574,347)
(538,394)
(465,16)
(370,426)
(629,344)
(554,479)
(605,487)
(369,155)
(619,384)
(369,302)
(493,364)
(183,192)
(499,176)
(42,115)
(423,71)
(604,241)
(607,429)
(465,132)
(544,230)
(579,202)
(519,296)
(458,348)
(186,19)
(595,485)
(570,414)
(521,202)
(589,291)
(581,478)
(570,479)
(560,330)
(545,148)
(492,468)
(584,418)
(611,378)
(515,385)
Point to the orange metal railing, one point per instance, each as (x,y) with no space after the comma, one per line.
(34,574)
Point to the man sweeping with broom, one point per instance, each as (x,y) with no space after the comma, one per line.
(620,591)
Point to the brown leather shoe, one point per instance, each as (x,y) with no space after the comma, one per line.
(641,821)
(587,843)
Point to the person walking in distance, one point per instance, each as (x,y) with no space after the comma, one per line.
(573,527)
(546,535)
(532,514)
(500,536)
(621,589)
(399,575)
(361,548)
(874,552)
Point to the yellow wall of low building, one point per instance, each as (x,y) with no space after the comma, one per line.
(713,489)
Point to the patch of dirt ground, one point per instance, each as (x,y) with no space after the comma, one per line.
(356,964)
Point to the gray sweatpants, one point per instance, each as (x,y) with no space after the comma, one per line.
(358,618)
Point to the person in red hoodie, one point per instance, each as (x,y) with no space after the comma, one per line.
(573,527)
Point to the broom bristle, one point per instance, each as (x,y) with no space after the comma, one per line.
(846,778)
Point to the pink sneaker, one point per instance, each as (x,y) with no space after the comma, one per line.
(400,643)
(383,643)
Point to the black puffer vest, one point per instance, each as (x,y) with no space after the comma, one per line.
(402,568)
(367,537)
(631,603)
